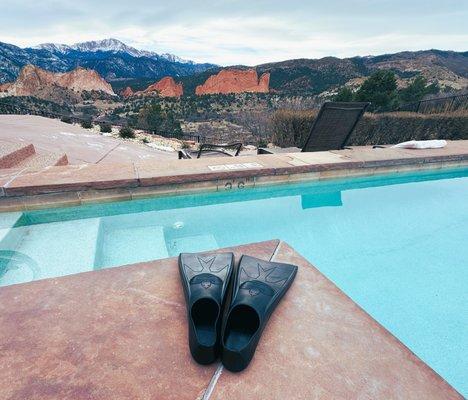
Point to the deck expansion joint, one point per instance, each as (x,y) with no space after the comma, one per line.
(213,382)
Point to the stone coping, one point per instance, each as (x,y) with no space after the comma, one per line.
(121,333)
(78,184)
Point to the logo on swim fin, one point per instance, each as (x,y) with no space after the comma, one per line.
(206,284)
(254,288)
(206,280)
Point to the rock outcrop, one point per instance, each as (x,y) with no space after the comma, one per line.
(166,87)
(235,81)
(127,92)
(34,81)
(5,87)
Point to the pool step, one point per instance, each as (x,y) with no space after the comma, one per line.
(12,154)
(38,161)
(125,243)
(8,238)
(20,155)
(191,244)
(130,238)
(41,252)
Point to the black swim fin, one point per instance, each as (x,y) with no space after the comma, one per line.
(205,278)
(257,289)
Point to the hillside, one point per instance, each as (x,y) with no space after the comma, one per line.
(316,76)
(448,68)
(242,96)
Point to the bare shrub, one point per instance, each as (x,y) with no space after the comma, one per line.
(126,132)
(291,128)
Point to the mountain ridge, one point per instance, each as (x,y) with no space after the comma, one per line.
(448,68)
(304,76)
(112,59)
(108,45)
(123,65)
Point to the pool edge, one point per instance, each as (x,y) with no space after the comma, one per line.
(57,199)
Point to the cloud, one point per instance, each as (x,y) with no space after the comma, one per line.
(231,32)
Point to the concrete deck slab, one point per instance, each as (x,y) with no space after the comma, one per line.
(72,177)
(176,171)
(374,157)
(324,157)
(118,333)
(145,178)
(121,333)
(43,160)
(320,345)
(368,154)
(81,146)
(455,148)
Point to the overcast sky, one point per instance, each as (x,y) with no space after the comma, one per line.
(249,32)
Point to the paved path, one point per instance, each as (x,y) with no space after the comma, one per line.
(80,145)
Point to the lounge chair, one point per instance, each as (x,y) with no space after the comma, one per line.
(212,150)
(331,129)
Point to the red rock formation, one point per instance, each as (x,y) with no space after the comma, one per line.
(5,87)
(128,92)
(166,87)
(235,81)
(32,80)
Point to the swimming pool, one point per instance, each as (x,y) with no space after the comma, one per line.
(396,244)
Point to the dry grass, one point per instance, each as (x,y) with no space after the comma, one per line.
(291,128)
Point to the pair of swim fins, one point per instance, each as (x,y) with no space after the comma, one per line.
(228,308)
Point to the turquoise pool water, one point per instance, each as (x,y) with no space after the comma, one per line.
(397,245)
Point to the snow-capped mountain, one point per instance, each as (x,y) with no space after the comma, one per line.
(112,45)
(52,47)
(174,58)
(109,45)
(111,58)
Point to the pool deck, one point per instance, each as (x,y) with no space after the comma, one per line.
(81,146)
(22,189)
(121,333)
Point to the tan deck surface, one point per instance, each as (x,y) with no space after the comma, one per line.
(121,333)
(81,146)
(78,184)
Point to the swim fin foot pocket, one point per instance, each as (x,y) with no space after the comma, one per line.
(205,278)
(257,288)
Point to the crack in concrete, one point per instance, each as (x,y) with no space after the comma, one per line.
(275,252)
(105,155)
(214,379)
(213,382)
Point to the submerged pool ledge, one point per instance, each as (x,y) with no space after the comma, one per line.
(81,184)
(122,333)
